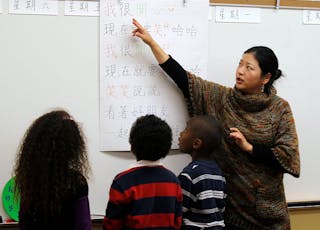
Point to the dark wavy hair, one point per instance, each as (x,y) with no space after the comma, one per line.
(268,63)
(51,160)
(150,138)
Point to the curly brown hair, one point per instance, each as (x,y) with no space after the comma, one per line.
(51,161)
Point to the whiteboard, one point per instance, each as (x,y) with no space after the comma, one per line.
(297,48)
(53,61)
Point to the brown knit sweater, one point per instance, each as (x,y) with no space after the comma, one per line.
(256,197)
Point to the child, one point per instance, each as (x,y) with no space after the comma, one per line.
(202,182)
(50,173)
(146,196)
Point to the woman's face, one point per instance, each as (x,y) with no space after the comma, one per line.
(249,77)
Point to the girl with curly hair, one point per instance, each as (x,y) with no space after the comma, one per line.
(51,175)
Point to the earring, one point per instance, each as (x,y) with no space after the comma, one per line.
(262,88)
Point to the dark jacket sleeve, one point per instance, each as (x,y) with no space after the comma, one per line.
(178,74)
(81,210)
(82,219)
(264,154)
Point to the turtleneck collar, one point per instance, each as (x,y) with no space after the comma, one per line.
(252,102)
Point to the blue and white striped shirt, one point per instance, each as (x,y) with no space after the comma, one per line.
(204,192)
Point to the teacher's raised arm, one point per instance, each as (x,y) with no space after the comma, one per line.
(142,33)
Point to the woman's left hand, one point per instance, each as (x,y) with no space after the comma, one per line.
(240,140)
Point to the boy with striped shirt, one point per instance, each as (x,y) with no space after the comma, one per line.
(202,181)
(147,195)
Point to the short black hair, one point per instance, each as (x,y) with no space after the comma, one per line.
(209,130)
(150,138)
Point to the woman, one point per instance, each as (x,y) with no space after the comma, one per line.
(50,173)
(262,142)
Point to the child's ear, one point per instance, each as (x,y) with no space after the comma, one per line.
(197,143)
(132,150)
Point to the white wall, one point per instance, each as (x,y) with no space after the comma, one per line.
(53,61)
